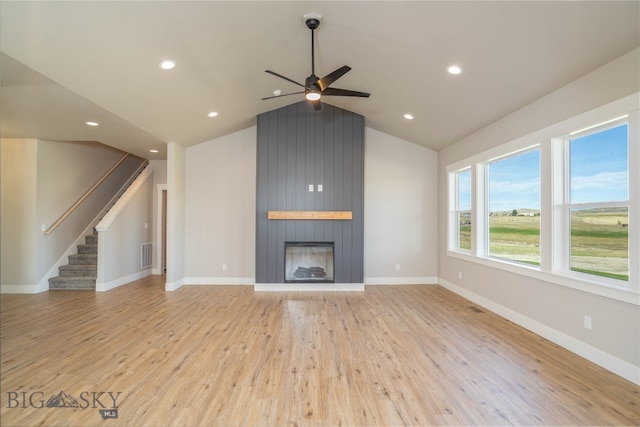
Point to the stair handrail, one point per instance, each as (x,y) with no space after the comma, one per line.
(85,195)
(115,206)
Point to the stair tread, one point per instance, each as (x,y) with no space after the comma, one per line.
(83,259)
(87,248)
(72,278)
(78,267)
(81,271)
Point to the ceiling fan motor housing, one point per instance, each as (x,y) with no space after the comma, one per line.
(312,23)
(312,20)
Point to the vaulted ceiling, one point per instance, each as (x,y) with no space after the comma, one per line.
(66,63)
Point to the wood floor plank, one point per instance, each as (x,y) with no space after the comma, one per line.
(226,355)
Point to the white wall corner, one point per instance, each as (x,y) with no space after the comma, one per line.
(172,286)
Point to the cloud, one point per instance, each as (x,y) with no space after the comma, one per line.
(507,195)
(529,186)
(601,187)
(615,181)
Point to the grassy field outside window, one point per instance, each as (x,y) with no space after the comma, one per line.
(599,199)
(514,203)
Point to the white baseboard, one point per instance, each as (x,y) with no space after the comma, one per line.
(617,366)
(400,281)
(172,286)
(19,289)
(216,281)
(106,286)
(308,287)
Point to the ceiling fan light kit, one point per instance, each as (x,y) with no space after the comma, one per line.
(315,88)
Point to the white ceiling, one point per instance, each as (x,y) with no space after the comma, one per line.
(64,63)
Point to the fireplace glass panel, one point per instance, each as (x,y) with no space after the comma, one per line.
(309,262)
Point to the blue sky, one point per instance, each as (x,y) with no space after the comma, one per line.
(464,190)
(514,182)
(598,169)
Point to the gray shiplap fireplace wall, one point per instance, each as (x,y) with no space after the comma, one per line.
(299,147)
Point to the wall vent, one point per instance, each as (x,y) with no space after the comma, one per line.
(146,254)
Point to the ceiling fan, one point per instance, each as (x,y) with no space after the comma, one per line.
(314,87)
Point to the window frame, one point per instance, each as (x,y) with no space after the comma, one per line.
(486,166)
(457,212)
(554,219)
(567,205)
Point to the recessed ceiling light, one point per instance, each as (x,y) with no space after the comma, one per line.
(153,151)
(212,114)
(91,123)
(455,70)
(408,116)
(167,65)
(277,92)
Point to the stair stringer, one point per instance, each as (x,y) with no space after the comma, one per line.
(103,229)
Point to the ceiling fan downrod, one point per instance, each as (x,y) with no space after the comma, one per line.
(313,24)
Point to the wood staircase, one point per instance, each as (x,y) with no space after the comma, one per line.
(81,272)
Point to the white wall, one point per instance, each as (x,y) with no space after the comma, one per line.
(400,211)
(121,234)
(175,216)
(18,172)
(221,210)
(550,309)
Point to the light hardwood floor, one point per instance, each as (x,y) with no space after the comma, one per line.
(225,356)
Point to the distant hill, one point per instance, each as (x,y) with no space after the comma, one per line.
(521,212)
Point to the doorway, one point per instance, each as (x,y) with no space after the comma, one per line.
(161,230)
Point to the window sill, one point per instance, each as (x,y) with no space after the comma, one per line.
(618,293)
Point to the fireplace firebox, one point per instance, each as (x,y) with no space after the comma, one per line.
(309,262)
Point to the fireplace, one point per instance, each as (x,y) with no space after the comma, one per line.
(308,262)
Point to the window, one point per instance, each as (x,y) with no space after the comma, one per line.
(560,204)
(514,207)
(599,201)
(463,210)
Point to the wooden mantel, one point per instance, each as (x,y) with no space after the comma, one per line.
(330,215)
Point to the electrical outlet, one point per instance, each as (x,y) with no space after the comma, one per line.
(310,188)
(224,267)
(319,188)
(587,322)
(397,267)
(460,275)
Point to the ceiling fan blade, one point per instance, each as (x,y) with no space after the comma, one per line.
(280,96)
(324,82)
(330,91)
(283,77)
